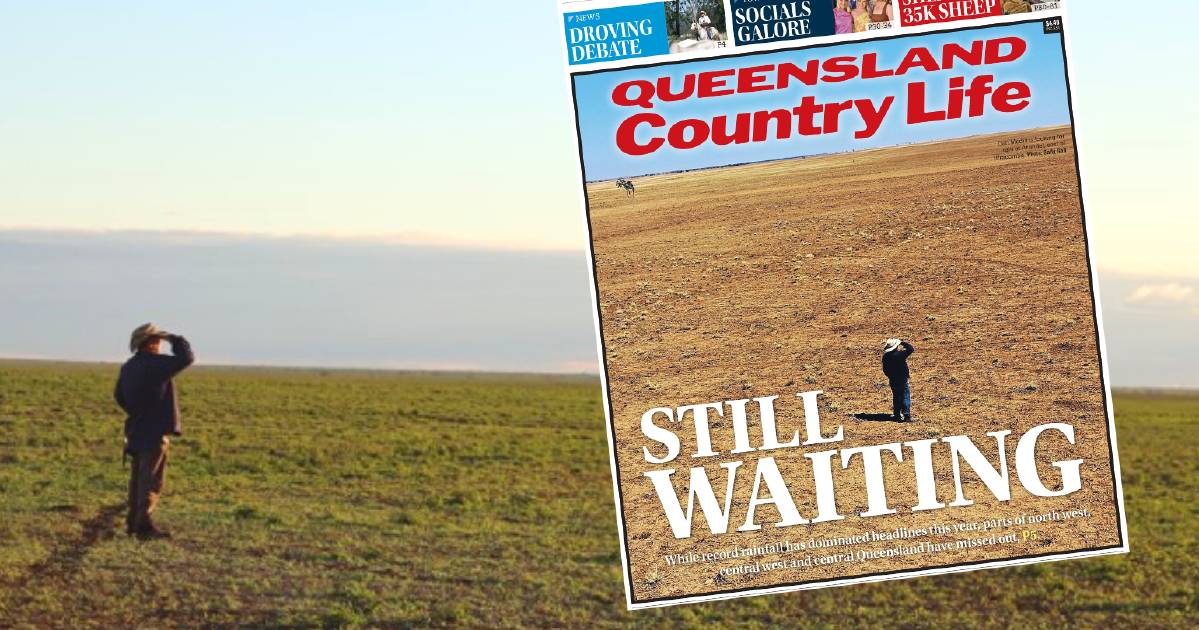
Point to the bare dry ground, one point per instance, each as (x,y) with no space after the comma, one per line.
(782,277)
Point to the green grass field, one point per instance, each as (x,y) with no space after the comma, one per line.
(330,499)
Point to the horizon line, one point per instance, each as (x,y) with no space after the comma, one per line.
(1123,389)
(431,241)
(447,245)
(314,368)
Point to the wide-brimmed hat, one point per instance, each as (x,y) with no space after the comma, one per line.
(144,333)
(891,344)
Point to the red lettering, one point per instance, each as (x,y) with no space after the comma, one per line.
(626,134)
(782,124)
(806,75)
(720,130)
(916,112)
(870,67)
(995,54)
(753,78)
(837,69)
(715,84)
(952,51)
(918,57)
(677,136)
(645,92)
(1011,97)
(665,95)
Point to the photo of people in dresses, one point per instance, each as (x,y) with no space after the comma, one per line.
(856,16)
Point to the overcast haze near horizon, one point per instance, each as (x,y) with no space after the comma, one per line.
(245,301)
(422,174)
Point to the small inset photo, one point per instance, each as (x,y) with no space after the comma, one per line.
(1011,7)
(859,16)
(695,25)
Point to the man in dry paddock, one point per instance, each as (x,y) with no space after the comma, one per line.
(895,367)
(146,391)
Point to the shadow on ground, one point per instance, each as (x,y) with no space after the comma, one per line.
(876,417)
(68,556)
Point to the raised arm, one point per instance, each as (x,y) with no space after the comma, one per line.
(907,348)
(181,354)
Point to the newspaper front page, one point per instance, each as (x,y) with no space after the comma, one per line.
(843,292)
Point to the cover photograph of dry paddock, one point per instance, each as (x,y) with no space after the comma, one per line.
(776,278)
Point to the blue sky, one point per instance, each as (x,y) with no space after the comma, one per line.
(306,117)
(1041,68)
(374,118)
(400,158)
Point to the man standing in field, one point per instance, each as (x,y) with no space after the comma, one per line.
(147,394)
(895,366)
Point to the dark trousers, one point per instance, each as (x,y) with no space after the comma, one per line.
(901,399)
(147,479)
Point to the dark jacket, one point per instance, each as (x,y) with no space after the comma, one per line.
(147,394)
(895,362)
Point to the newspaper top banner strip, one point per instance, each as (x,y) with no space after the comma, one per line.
(599,33)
